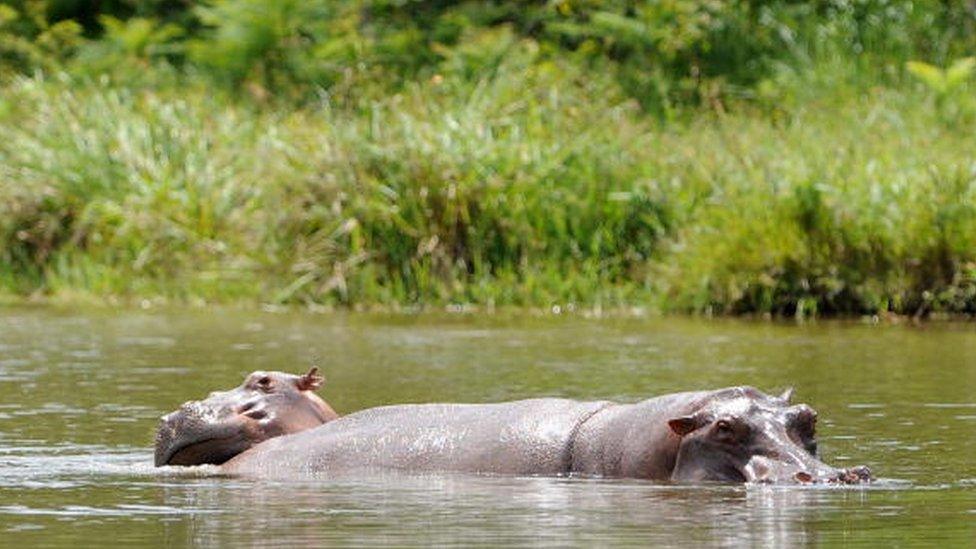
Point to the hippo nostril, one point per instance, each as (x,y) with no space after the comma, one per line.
(855,475)
(251,410)
(247,407)
(803,476)
(862,472)
(256,414)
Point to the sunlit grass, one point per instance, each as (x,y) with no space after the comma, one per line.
(541,185)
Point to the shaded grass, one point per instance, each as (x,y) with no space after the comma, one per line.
(539,185)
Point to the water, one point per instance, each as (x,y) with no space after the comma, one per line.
(81,393)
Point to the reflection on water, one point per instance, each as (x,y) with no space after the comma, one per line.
(82,392)
(400,510)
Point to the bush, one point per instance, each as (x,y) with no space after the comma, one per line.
(662,53)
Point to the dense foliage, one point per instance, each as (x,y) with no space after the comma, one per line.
(722,156)
(660,52)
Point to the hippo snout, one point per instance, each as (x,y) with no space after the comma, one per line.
(165,439)
(763,470)
(191,424)
(854,475)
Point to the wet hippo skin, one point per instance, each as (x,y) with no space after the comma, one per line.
(737,434)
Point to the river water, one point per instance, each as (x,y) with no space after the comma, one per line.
(82,391)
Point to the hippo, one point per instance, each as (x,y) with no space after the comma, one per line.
(735,434)
(226,423)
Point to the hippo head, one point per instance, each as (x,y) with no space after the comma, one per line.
(743,435)
(266,405)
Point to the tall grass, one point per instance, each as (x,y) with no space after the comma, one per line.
(867,207)
(488,194)
(535,185)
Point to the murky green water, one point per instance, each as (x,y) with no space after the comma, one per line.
(81,393)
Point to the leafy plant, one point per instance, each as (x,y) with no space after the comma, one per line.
(268,45)
(29,40)
(943,81)
(948,85)
(140,37)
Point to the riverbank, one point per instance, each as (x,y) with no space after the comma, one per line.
(734,158)
(511,195)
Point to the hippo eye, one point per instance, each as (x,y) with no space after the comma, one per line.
(731,430)
(724,429)
(265,383)
(806,424)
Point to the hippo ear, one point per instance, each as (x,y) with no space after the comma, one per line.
(681,426)
(310,381)
(787,395)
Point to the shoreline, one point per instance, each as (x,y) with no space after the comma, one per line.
(78,302)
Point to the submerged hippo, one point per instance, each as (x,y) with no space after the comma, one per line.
(266,405)
(737,434)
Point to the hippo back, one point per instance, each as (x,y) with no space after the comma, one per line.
(522,437)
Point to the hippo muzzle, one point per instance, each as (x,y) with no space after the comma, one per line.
(762,470)
(191,436)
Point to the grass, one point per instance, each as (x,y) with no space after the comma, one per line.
(863,208)
(539,185)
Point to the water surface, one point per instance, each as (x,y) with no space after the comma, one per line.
(82,391)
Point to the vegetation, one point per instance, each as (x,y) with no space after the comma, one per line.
(687,155)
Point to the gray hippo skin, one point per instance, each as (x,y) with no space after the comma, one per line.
(226,423)
(737,434)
